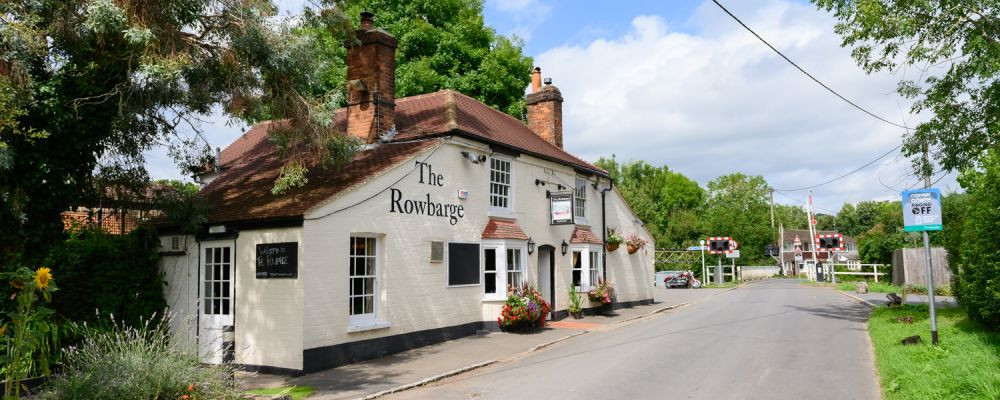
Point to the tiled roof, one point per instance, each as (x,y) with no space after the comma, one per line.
(243,191)
(584,235)
(503,229)
(250,165)
(446,111)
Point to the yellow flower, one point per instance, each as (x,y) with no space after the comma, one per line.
(42,277)
(17,285)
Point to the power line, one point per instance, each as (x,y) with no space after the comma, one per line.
(805,203)
(844,175)
(862,109)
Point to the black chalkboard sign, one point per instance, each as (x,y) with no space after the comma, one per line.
(278,260)
(463,264)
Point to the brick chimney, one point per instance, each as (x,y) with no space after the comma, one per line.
(371,81)
(545,109)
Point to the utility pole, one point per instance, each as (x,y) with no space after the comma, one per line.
(772,206)
(927,254)
(812,235)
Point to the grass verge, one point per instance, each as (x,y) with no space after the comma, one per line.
(964,365)
(880,287)
(297,392)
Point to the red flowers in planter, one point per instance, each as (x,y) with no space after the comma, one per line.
(524,309)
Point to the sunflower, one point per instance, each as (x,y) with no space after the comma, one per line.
(42,277)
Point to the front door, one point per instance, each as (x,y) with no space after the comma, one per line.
(216,302)
(546,274)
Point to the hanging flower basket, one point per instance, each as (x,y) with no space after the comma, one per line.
(613,246)
(634,242)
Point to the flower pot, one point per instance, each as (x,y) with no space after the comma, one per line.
(577,314)
(632,248)
(613,246)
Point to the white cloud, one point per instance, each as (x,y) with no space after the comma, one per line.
(720,101)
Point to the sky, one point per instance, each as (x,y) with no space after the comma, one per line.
(679,83)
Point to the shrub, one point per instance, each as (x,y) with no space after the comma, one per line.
(124,362)
(976,283)
(103,274)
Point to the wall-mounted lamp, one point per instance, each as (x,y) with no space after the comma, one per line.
(539,182)
(561,187)
(531,246)
(475,158)
(565,247)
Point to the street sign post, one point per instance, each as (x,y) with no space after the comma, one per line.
(922,213)
(733,254)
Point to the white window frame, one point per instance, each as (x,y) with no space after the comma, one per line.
(367,321)
(580,193)
(585,266)
(501,211)
(518,265)
(501,247)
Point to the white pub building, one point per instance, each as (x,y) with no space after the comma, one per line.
(412,242)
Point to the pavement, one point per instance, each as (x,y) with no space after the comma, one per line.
(428,364)
(880,299)
(774,339)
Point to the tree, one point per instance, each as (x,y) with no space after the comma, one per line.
(87,86)
(791,217)
(660,197)
(737,206)
(954,45)
(442,44)
(977,284)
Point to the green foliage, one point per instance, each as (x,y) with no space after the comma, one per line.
(873,287)
(297,392)
(574,301)
(143,362)
(665,200)
(442,44)
(86,87)
(956,44)
(737,206)
(964,365)
(28,323)
(103,275)
(977,284)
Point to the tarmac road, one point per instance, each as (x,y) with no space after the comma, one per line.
(773,339)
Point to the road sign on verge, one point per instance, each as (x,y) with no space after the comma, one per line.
(733,254)
(922,210)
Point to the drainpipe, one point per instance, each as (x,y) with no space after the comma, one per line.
(604,228)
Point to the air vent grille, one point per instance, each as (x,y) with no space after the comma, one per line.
(437,252)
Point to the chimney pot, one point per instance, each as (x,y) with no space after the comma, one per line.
(366,20)
(536,79)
